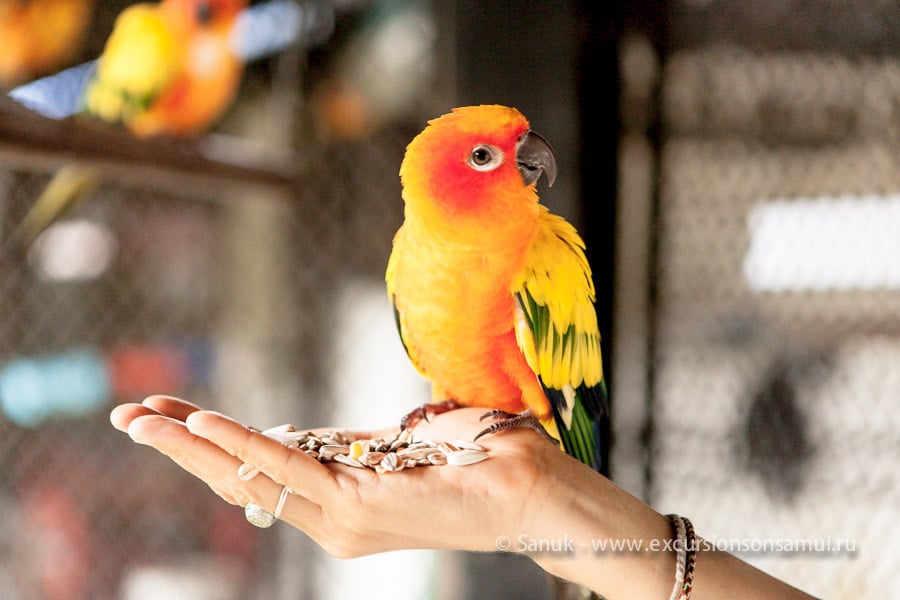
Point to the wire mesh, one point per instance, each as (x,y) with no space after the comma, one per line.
(86,506)
(230,304)
(775,408)
(159,320)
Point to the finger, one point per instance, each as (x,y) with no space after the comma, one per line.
(218,469)
(172,438)
(303,474)
(122,415)
(201,458)
(171,406)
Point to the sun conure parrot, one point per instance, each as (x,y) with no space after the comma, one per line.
(167,69)
(492,293)
(39,36)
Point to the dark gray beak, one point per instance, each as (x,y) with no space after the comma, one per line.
(535,156)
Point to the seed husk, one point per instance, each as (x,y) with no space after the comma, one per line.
(371,458)
(247,472)
(392,463)
(437,458)
(416,453)
(346,460)
(464,445)
(466,457)
(391,454)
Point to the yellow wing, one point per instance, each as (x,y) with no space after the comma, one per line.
(559,333)
(556,329)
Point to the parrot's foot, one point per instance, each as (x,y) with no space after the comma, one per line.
(426,412)
(505,421)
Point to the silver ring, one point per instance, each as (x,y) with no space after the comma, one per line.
(259,516)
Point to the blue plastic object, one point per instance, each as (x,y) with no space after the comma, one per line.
(72,384)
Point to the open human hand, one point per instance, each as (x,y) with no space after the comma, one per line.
(350,511)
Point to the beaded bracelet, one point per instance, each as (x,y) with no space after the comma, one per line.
(690,561)
(685,543)
(679,537)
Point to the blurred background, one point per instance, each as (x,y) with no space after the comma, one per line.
(734,168)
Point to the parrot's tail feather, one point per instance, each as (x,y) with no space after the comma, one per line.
(581,438)
(68,188)
(561,589)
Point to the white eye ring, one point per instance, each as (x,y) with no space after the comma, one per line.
(485,158)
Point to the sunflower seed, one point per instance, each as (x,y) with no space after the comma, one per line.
(371,458)
(447,448)
(420,444)
(386,455)
(462,444)
(286,434)
(437,458)
(283,428)
(415,453)
(247,472)
(466,457)
(346,460)
(392,463)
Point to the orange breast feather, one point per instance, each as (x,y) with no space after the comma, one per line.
(457,322)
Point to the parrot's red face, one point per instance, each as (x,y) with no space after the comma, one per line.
(474,157)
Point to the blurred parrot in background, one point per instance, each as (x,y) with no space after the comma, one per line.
(492,293)
(166,69)
(39,36)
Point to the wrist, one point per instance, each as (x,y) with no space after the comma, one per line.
(596,534)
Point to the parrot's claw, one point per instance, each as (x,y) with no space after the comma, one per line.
(426,412)
(506,421)
(496,413)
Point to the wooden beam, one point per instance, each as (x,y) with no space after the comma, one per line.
(211,166)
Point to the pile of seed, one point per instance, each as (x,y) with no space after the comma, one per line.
(385,455)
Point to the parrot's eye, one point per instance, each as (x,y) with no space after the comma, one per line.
(485,158)
(205,13)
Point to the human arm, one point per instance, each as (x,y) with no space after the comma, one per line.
(527,490)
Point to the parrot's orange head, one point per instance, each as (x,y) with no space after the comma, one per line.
(476,160)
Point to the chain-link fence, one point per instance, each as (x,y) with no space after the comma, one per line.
(85,507)
(776,323)
(230,304)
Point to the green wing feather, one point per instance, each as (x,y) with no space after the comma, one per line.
(557,331)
